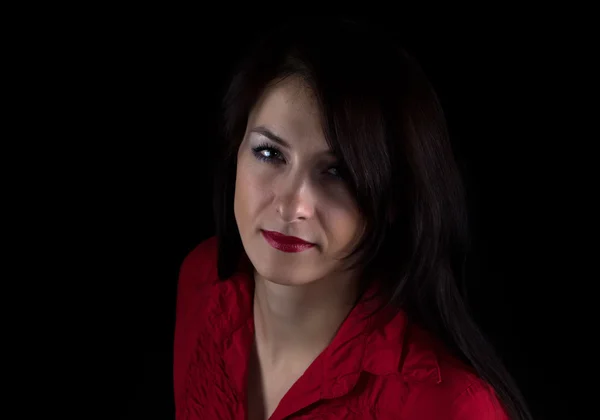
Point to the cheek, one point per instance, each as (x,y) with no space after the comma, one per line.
(344,223)
(251,189)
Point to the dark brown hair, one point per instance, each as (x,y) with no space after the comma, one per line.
(383,120)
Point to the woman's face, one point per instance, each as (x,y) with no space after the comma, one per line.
(292,188)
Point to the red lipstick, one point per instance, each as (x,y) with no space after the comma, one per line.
(286,243)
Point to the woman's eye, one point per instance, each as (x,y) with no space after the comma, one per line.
(267,154)
(272,155)
(335,172)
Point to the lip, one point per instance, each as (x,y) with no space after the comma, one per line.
(286,243)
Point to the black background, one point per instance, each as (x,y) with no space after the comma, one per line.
(143,94)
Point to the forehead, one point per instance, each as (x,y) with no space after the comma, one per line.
(290,109)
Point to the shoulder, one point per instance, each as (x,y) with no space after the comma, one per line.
(199,267)
(460,394)
(477,401)
(458,391)
(437,385)
(200,260)
(196,275)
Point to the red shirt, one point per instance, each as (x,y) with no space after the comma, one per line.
(382,367)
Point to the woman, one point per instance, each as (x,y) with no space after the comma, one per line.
(331,287)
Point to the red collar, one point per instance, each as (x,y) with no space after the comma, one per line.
(372,343)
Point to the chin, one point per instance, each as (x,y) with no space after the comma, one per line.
(280,273)
(280,270)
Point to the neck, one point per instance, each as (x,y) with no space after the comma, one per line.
(295,323)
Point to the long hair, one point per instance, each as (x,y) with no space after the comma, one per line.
(383,120)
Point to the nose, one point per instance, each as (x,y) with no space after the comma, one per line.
(295,199)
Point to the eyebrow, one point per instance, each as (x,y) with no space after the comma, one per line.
(263,131)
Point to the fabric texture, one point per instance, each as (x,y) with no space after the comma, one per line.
(377,366)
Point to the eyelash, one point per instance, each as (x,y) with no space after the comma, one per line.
(275,151)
